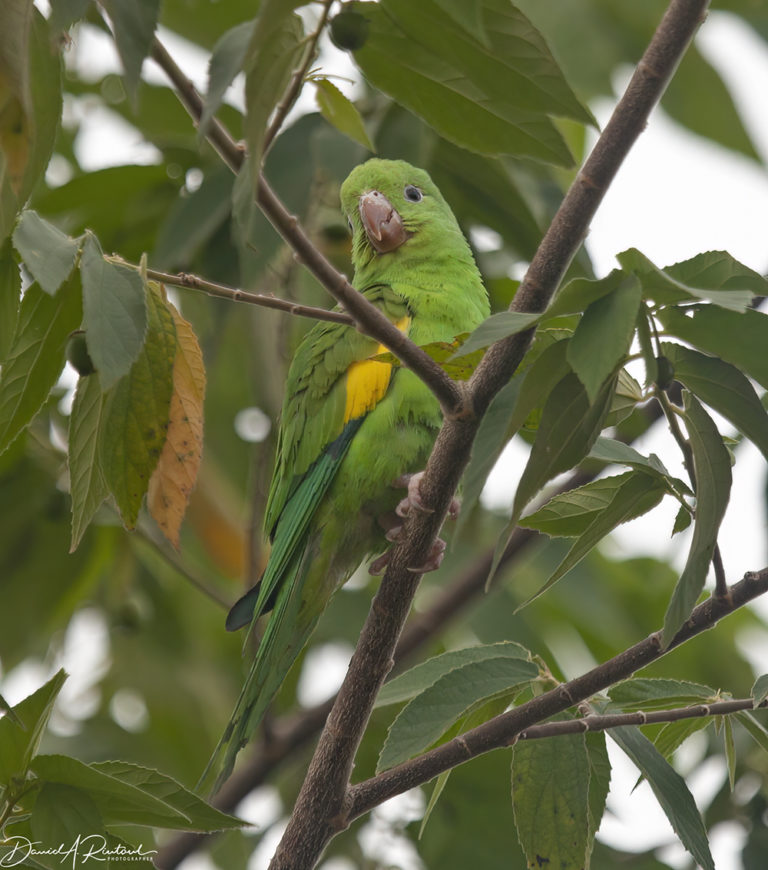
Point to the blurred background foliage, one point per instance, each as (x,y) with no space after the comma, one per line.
(160,685)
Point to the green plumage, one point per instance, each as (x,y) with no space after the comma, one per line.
(333,470)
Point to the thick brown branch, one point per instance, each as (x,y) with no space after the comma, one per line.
(504,730)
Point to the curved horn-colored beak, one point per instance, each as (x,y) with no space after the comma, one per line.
(382,224)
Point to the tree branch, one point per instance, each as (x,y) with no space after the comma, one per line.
(323,804)
(367,316)
(503,730)
(606,721)
(222,291)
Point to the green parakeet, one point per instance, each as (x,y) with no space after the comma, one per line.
(351,426)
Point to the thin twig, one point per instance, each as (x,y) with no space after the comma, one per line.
(222,291)
(605,721)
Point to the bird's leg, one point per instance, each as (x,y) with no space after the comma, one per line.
(393,527)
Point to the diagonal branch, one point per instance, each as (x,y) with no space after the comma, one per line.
(505,729)
(367,316)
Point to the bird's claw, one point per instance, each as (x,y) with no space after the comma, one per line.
(434,558)
(413,500)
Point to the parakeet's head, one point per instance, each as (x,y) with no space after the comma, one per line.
(396,211)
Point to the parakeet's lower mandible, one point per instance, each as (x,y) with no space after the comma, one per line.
(351,426)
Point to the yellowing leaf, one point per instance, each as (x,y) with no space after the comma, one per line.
(138,413)
(174,477)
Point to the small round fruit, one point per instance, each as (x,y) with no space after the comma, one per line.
(78,356)
(349,30)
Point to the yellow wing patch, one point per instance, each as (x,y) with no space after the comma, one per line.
(368,380)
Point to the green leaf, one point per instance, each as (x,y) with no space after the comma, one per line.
(712,277)
(30,77)
(754,728)
(427,716)
(200,815)
(738,338)
(495,328)
(422,676)
(341,113)
(275,50)
(114,314)
(712,467)
(65,815)
(10,296)
(550,799)
(48,254)
(19,744)
(36,357)
(638,494)
(133,25)
(86,480)
(604,335)
(226,61)
(644,693)
(599,781)
(120,802)
(569,426)
(683,519)
(467,14)
(463,97)
(8,711)
(724,388)
(671,792)
(759,690)
(138,412)
(730,750)
(539,379)
(486,448)
(569,514)
(64,13)
(673,734)
(613,451)
(578,294)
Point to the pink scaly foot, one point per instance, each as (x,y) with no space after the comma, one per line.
(394,528)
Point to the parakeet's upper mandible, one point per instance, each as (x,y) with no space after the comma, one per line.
(350,425)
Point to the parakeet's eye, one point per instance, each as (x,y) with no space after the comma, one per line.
(413,193)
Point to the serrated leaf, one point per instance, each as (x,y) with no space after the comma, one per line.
(724,388)
(341,112)
(730,750)
(495,328)
(712,468)
(738,338)
(670,790)
(134,23)
(20,735)
(754,728)
(174,477)
(36,356)
(413,681)
(427,716)
(599,782)
(604,335)
(86,480)
(456,88)
(48,254)
(275,50)
(138,413)
(643,693)
(120,802)
(713,277)
(550,799)
(114,314)
(673,734)
(227,58)
(613,451)
(569,513)
(634,497)
(64,815)
(200,815)
(759,690)
(10,297)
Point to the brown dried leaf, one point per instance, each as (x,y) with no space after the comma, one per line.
(174,477)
